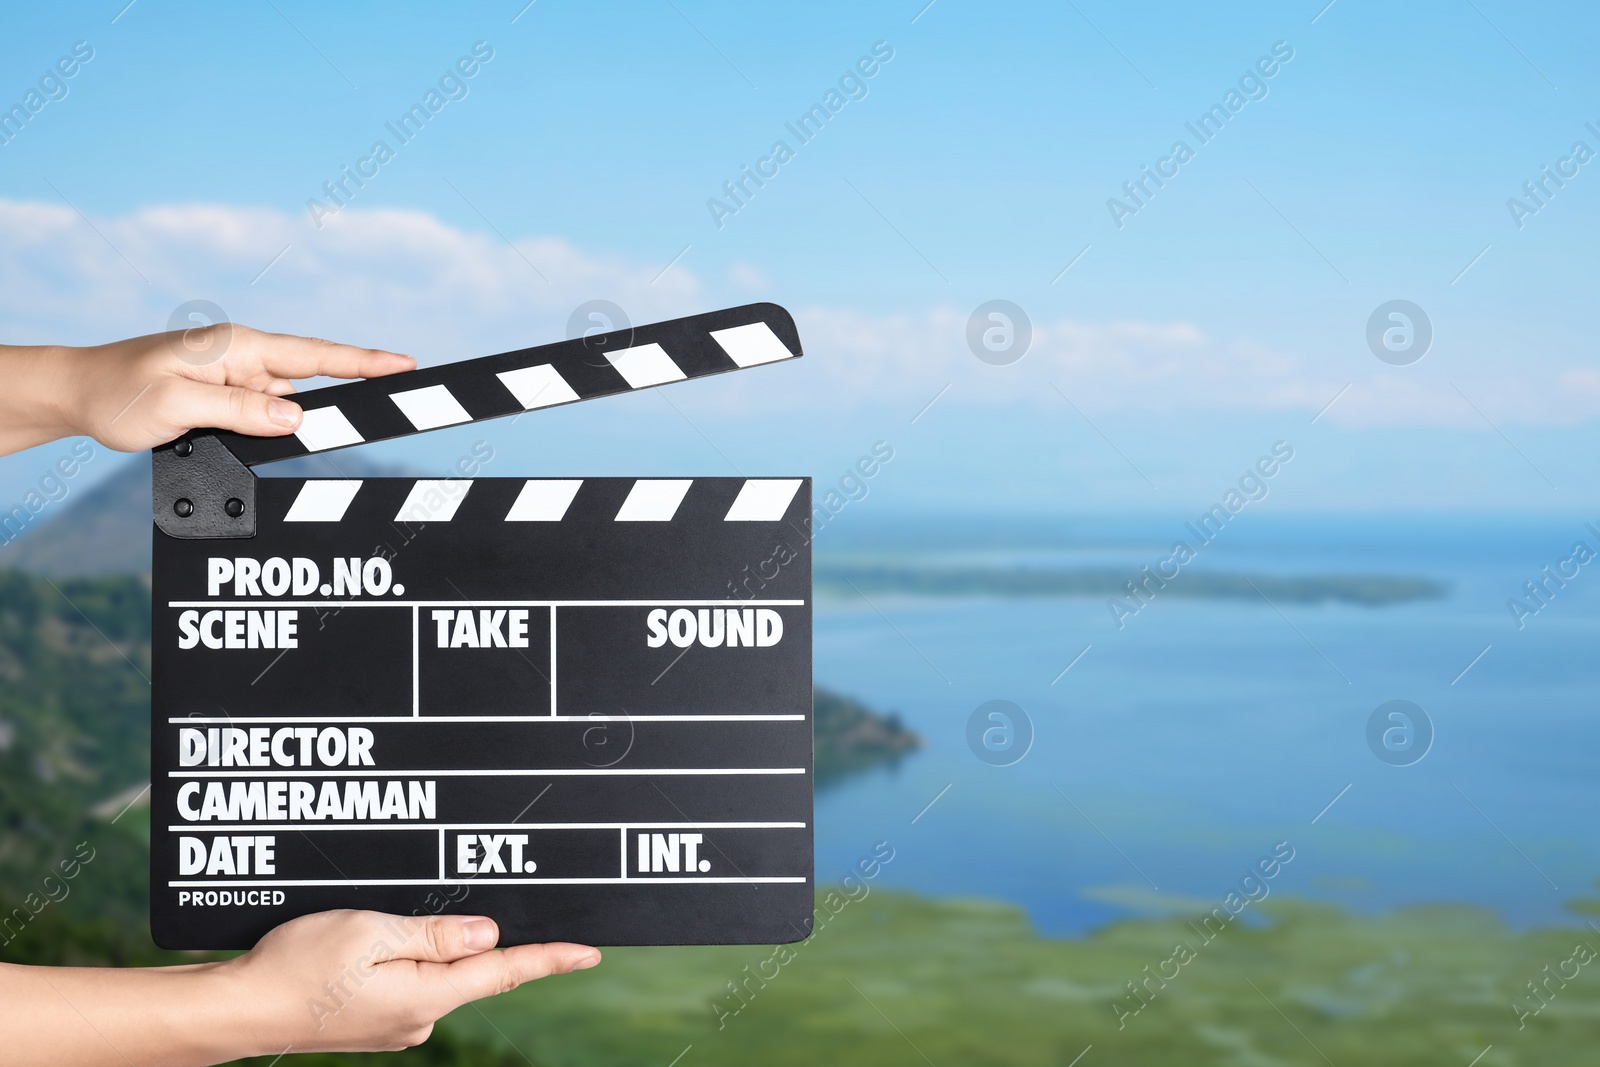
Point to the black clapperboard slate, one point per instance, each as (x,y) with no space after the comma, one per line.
(581,706)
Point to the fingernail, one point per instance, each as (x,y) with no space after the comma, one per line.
(587,962)
(480,935)
(283,412)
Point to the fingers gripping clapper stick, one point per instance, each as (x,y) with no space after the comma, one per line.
(581,706)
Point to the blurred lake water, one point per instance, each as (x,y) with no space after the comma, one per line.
(1181,748)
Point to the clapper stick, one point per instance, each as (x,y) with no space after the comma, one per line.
(581,706)
(201,485)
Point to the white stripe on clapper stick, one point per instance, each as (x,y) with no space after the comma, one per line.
(763,500)
(752,345)
(645,365)
(544,500)
(537,387)
(325,428)
(654,500)
(430,407)
(323,500)
(433,500)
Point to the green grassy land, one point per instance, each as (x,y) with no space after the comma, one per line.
(896,979)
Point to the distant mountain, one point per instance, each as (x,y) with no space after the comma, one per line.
(106,529)
(103,530)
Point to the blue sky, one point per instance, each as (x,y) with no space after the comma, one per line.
(1220,318)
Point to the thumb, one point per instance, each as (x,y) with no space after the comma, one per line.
(446,938)
(490,973)
(186,405)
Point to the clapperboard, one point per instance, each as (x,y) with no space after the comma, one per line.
(579,705)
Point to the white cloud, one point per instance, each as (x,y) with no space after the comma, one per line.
(394,278)
(1160,369)
(409,281)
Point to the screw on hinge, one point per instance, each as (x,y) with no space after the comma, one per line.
(202,490)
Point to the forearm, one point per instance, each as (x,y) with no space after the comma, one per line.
(37,393)
(147,1017)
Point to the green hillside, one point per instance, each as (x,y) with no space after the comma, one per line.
(74,733)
